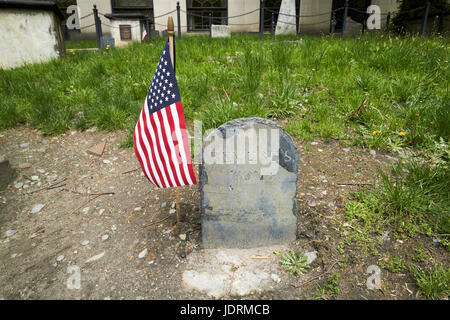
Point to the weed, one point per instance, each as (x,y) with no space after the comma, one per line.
(413,199)
(394,264)
(330,289)
(292,263)
(435,283)
(421,255)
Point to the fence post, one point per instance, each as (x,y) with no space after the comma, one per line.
(344,22)
(147,26)
(425,19)
(179,20)
(333,21)
(210,25)
(388,21)
(261,20)
(98,26)
(272,23)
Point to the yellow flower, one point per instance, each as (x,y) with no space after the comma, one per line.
(402,133)
(376,132)
(107,47)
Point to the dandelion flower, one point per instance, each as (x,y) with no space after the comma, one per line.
(402,133)
(376,132)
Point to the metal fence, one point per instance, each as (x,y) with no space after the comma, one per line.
(332,17)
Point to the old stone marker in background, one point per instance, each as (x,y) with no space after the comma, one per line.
(220,31)
(248,185)
(286,23)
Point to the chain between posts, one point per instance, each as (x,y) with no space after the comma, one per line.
(98,23)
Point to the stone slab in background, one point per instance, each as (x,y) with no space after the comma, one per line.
(353,28)
(220,31)
(286,23)
(241,206)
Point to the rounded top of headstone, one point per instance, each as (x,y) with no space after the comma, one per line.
(288,150)
(228,128)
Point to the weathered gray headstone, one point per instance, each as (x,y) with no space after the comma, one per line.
(286,23)
(353,28)
(220,31)
(248,185)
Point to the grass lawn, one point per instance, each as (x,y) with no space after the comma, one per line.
(377,91)
(81,44)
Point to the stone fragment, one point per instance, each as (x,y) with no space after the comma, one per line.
(97,149)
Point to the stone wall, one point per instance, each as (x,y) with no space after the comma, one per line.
(28,36)
(85,7)
(317,24)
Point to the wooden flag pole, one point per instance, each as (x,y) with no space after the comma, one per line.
(171,31)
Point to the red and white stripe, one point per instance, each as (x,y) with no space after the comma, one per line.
(162,148)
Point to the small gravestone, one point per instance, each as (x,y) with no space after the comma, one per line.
(248,185)
(220,31)
(287,22)
(106,41)
(353,28)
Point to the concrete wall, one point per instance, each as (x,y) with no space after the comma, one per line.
(161,7)
(85,8)
(28,36)
(237,7)
(318,24)
(386,6)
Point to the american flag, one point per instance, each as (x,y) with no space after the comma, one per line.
(144,32)
(160,137)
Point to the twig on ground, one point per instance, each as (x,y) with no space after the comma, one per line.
(260,257)
(307,82)
(316,277)
(360,108)
(354,184)
(129,171)
(96,196)
(156,222)
(52,186)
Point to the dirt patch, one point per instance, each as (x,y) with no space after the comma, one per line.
(99,215)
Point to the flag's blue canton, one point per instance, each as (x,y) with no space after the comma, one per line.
(164,88)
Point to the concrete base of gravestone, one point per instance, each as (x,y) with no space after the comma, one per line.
(224,273)
(286,23)
(353,28)
(247,204)
(220,31)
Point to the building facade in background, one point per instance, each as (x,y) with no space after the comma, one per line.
(194,14)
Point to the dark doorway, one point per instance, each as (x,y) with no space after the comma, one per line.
(356,11)
(198,13)
(273,6)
